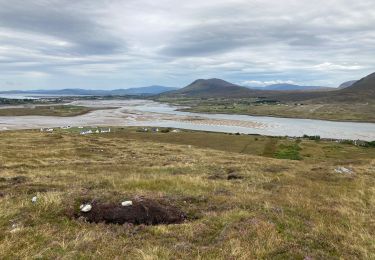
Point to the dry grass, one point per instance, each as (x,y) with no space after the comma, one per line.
(280,209)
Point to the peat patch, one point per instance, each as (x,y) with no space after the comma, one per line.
(145,211)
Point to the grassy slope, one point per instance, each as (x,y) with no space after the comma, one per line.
(50,110)
(281,209)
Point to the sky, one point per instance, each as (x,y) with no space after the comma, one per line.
(109,44)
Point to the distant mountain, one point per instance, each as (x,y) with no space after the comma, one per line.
(212,88)
(151,90)
(347,84)
(291,87)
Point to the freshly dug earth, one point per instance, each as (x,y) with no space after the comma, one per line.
(146,212)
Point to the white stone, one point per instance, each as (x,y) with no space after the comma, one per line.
(343,170)
(34,199)
(85,207)
(127,203)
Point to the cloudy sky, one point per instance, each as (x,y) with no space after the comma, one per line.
(107,44)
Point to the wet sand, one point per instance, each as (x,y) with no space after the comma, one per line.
(222,122)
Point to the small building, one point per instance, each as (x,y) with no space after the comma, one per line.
(49,130)
(105,130)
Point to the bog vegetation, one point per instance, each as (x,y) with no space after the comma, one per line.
(240,200)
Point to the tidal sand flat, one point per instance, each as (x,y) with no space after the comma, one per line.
(150,113)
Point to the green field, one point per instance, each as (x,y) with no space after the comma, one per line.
(46,110)
(276,208)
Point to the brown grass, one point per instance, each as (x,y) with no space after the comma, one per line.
(279,209)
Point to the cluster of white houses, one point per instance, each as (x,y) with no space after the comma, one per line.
(97,131)
(156,130)
(145,129)
(83,132)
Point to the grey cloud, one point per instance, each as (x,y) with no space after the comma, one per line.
(237,40)
(61,21)
(211,39)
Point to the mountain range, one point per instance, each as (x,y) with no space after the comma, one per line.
(355,91)
(148,91)
(220,88)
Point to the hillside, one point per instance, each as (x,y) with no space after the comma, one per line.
(213,88)
(361,91)
(366,84)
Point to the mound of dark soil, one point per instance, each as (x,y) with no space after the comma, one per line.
(146,212)
(234,176)
(18,179)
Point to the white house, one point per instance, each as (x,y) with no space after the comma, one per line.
(105,130)
(46,130)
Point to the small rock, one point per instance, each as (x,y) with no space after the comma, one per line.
(343,170)
(34,199)
(127,203)
(15,228)
(85,207)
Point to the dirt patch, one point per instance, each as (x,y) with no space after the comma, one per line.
(14,180)
(275,169)
(234,176)
(229,176)
(18,179)
(216,176)
(143,211)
